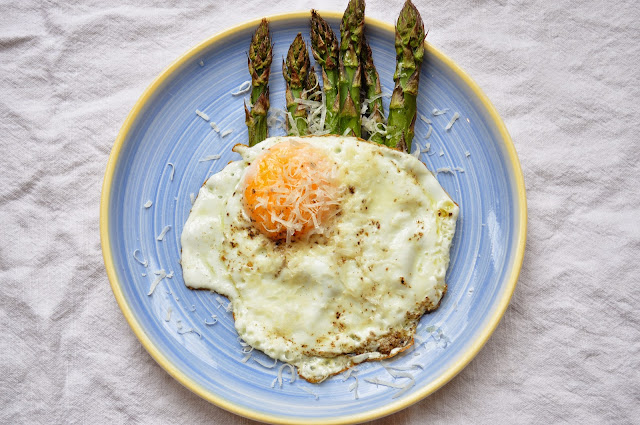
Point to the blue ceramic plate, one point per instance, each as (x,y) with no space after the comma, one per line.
(157,160)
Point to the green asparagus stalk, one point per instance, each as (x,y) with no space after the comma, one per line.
(351,32)
(409,54)
(295,69)
(312,89)
(371,82)
(259,62)
(325,49)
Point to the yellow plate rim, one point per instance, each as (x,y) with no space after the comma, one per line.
(160,358)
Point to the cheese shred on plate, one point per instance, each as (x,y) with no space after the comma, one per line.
(138,259)
(163,233)
(453,119)
(242,89)
(202,115)
(160,274)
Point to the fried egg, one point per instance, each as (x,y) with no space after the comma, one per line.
(330,249)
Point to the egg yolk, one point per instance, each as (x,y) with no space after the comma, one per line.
(290,191)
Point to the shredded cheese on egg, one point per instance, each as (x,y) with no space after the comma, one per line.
(296,200)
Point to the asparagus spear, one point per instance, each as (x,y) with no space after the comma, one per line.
(371,81)
(409,53)
(295,69)
(325,49)
(312,89)
(259,62)
(351,31)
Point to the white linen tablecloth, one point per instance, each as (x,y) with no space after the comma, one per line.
(564,75)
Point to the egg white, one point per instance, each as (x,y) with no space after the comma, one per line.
(355,292)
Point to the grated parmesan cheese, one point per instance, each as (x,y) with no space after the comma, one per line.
(467,154)
(277,118)
(444,170)
(173,169)
(441,152)
(292,124)
(429,132)
(209,158)
(169,310)
(404,368)
(425,119)
(437,112)
(459,169)
(377,382)
(347,131)
(360,357)
(453,119)
(163,233)
(201,63)
(292,370)
(308,391)
(192,198)
(148,204)
(202,115)
(215,320)
(268,366)
(214,126)
(400,374)
(191,330)
(227,307)
(161,274)
(353,387)
(140,260)
(226,133)
(242,88)
(426,148)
